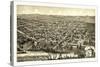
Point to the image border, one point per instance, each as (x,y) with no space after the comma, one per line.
(14,58)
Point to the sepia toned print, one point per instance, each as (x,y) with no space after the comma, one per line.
(55,33)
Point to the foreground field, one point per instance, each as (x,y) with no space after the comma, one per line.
(42,56)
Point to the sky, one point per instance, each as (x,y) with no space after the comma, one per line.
(29,9)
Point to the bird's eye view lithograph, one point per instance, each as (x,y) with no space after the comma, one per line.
(54,33)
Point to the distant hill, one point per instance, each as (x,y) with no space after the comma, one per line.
(86,19)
